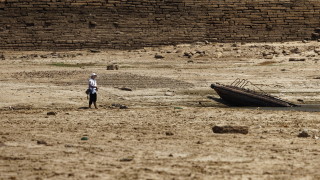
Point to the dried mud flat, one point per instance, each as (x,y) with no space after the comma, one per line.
(166,132)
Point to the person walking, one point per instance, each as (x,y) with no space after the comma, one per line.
(93,90)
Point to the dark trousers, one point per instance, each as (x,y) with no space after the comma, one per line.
(93,98)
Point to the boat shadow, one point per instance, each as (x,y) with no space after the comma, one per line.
(219,100)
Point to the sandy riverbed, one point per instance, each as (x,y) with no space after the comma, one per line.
(166,131)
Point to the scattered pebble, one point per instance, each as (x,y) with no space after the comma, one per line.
(231,129)
(42,142)
(51,113)
(120,106)
(127,159)
(84,138)
(169,93)
(268,56)
(304,134)
(169,133)
(188,54)
(113,67)
(158,56)
(297,59)
(125,89)
(300,100)
(295,51)
(2,57)
(94,51)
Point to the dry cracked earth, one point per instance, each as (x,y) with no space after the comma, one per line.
(165,132)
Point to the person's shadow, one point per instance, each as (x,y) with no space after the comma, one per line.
(83,108)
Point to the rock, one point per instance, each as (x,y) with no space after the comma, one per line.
(123,107)
(297,59)
(120,106)
(231,129)
(169,93)
(295,50)
(92,24)
(214,39)
(42,142)
(188,54)
(304,41)
(94,51)
(284,52)
(315,36)
(2,57)
(317,51)
(304,134)
(300,100)
(265,54)
(169,133)
(84,138)
(113,67)
(125,89)
(269,56)
(158,56)
(317,30)
(179,51)
(51,113)
(127,159)
(44,56)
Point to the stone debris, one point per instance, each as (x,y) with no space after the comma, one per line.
(297,59)
(230,129)
(51,113)
(126,159)
(304,134)
(295,51)
(2,57)
(317,51)
(94,51)
(169,133)
(316,34)
(113,67)
(188,54)
(270,56)
(85,138)
(125,89)
(42,142)
(158,56)
(300,100)
(169,93)
(120,106)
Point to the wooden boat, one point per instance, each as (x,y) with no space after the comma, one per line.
(239,96)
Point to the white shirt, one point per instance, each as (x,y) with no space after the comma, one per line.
(93,82)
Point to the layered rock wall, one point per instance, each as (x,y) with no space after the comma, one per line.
(75,24)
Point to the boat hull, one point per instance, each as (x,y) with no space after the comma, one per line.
(236,96)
